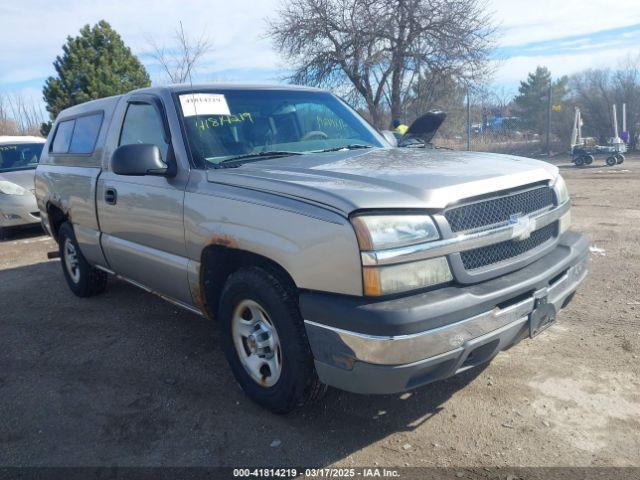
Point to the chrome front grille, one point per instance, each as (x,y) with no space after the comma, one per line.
(499,211)
(494,211)
(499,252)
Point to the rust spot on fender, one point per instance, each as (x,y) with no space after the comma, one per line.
(223,240)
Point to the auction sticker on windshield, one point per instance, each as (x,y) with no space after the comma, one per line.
(204,104)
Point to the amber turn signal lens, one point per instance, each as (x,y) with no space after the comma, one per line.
(362,233)
(371,279)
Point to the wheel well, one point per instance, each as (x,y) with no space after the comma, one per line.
(56,219)
(218,262)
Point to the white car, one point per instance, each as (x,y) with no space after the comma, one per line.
(19,157)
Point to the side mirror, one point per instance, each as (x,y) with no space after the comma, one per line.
(138,159)
(390,137)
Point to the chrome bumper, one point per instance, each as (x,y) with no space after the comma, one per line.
(398,350)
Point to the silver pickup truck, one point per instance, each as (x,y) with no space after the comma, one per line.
(326,254)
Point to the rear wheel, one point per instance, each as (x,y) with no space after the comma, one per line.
(265,341)
(578,161)
(611,161)
(83,279)
(619,158)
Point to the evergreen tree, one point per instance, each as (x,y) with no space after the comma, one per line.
(93,65)
(532,99)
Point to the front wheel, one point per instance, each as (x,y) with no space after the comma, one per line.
(265,341)
(619,158)
(578,161)
(83,279)
(611,161)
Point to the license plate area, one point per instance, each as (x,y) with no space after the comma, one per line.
(543,315)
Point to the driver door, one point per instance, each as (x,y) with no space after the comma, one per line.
(141,217)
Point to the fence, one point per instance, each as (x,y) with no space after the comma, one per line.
(477,125)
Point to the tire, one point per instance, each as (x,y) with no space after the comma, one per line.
(588,159)
(578,161)
(83,279)
(257,300)
(4,234)
(619,158)
(611,161)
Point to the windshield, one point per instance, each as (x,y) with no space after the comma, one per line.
(19,156)
(225,124)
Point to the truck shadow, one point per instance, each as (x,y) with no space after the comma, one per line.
(128,379)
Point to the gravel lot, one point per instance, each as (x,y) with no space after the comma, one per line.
(128,379)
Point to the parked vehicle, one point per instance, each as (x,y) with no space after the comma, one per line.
(326,256)
(18,160)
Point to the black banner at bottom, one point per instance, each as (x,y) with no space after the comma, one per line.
(407,473)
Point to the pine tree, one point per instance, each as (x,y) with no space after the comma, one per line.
(532,99)
(93,65)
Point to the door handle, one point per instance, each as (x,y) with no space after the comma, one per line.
(111,196)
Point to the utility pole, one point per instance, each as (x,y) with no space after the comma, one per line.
(468,121)
(549,120)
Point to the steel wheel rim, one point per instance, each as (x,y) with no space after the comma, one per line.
(257,343)
(71,260)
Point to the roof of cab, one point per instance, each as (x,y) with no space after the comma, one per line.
(228,86)
(110,102)
(106,103)
(20,139)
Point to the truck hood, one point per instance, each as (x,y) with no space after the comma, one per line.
(386,178)
(24,178)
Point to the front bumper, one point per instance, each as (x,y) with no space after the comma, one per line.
(17,210)
(385,346)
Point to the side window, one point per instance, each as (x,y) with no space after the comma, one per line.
(62,137)
(78,135)
(86,133)
(142,124)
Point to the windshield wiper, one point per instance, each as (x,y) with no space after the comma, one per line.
(257,156)
(353,146)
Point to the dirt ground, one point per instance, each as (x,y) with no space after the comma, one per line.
(128,379)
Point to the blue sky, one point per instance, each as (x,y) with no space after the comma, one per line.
(566,36)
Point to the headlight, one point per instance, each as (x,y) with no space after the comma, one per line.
(406,276)
(9,188)
(383,231)
(377,232)
(561,190)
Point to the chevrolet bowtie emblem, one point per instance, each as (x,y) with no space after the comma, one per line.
(522,226)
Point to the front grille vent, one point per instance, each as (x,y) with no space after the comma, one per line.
(494,211)
(499,252)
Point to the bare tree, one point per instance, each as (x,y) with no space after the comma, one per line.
(592,91)
(595,91)
(8,126)
(382,47)
(19,115)
(435,90)
(627,87)
(180,60)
